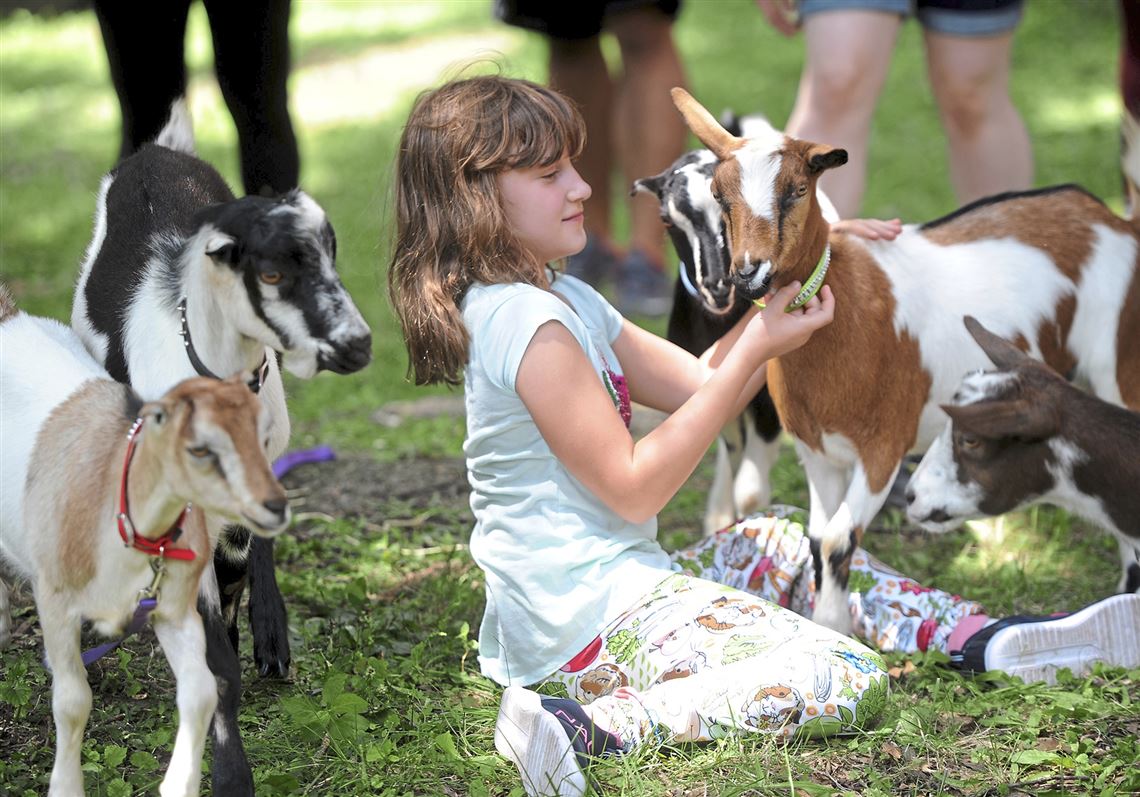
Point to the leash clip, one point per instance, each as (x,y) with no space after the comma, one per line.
(158,565)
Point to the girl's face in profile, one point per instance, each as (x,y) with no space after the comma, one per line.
(543,205)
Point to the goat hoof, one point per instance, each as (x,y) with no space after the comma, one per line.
(273,669)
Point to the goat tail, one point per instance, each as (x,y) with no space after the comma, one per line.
(178,132)
(1130,162)
(8,307)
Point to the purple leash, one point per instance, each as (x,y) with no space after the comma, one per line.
(142,614)
(286,462)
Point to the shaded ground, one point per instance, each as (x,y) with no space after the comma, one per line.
(357,486)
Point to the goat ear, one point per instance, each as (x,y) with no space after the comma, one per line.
(994,420)
(1001,352)
(730,121)
(650,185)
(156,412)
(821,157)
(222,248)
(704,125)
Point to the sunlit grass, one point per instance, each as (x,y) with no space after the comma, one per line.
(404,647)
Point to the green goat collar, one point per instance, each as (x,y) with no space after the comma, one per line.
(812,286)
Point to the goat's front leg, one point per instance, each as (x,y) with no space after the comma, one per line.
(1130,564)
(268,619)
(752,487)
(70,693)
(184,643)
(838,541)
(720,509)
(230,774)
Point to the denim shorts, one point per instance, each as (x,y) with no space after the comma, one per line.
(950,17)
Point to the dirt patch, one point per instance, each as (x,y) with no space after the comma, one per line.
(356,486)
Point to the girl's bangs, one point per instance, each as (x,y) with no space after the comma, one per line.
(546,127)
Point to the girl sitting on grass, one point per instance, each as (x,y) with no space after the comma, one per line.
(651,648)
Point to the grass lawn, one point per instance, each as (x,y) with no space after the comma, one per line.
(386,697)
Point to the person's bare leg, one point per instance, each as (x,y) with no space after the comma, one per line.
(989,145)
(578,70)
(847,55)
(651,133)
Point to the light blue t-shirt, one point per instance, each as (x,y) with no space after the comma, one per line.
(559,564)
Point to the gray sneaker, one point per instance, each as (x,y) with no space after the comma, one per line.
(642,288)
(593,265)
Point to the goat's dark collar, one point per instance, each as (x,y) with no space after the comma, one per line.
(254,383)
(160,546)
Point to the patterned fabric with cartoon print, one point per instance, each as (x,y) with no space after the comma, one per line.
(698,660)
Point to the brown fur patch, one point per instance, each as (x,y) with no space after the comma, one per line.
(78,462)
(1128,344)
(874,399)
(1057,222)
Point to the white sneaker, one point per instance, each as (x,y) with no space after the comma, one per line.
(538,744)
(1034,650)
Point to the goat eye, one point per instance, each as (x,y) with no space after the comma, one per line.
(969,441)
(270,277)
(801,189)
(199,452)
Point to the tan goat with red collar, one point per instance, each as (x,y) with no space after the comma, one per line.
(90,514)
(1053,269)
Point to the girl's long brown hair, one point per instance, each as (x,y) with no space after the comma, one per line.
(450,226)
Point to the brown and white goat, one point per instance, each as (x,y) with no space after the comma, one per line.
(65,487)
(1053,269)
(1023,434)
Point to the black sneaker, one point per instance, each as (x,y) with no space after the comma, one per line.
(593,265)
(550,740)
(642,288)
(1035,648)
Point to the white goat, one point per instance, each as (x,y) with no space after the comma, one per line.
(1053,269)
(180,279)
(76,489)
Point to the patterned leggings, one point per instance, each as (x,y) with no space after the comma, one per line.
(725,645)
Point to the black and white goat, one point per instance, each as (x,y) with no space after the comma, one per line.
(90,513)
(180,279)
(1023,434)
(1053,268)
(705,306)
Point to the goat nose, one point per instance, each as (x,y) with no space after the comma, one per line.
(910,496)
(277,505)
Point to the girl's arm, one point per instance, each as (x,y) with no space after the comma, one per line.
(577,419)
(664,376)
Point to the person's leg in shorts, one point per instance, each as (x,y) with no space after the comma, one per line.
(968,49)
(848,46)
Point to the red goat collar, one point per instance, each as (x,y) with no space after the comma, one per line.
(161,545)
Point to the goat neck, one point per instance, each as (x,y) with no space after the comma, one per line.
(154,508)
(814,240)
(220,342)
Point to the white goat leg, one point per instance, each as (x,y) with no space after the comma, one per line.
(184,644)
(1129,556)
(70,693)
(752,488)
(720,511)
(827,483)
(839,539)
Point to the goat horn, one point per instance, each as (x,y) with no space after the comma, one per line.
(704,125)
